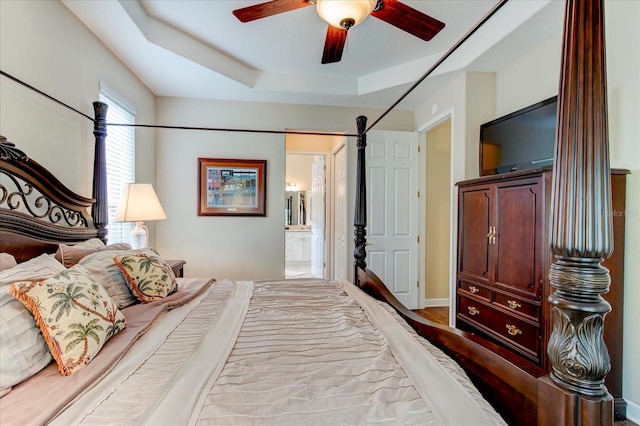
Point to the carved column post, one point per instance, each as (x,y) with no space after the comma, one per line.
(99,210)
(360,216)
(581,228)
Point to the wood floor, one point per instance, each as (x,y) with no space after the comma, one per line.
(440,315)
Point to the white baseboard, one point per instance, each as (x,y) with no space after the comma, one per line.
(431,303)
(633,412)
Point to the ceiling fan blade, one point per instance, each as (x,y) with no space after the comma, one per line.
(334,44)
(273,7)
(408,19)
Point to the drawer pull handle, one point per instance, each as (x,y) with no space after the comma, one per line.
(473,310)
(513,304)
(473,289)
(513,330)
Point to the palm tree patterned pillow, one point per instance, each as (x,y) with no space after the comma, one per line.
(74,313)
(147,275)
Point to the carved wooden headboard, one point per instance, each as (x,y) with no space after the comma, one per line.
(37,211)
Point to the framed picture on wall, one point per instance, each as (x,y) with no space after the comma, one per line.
(229,187)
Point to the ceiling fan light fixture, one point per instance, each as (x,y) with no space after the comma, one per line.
(345,13)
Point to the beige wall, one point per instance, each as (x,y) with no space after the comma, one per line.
(298,171)
(240,241)
(43,44)
(312,143)
(438,213)
(623,71)
(532,78)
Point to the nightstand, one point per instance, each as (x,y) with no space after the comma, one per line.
(177,266)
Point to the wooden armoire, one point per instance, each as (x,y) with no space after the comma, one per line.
(503,263)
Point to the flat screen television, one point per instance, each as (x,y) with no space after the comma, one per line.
(524,139)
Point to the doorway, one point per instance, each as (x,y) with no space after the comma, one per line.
(309,171)
(437,206)
(302,203)
(308,165)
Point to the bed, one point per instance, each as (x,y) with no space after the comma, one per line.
(201,351)
(207,352)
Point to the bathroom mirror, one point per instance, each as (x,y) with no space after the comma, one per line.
(296,208)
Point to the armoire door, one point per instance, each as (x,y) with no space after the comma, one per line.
(474,227)
(518,228)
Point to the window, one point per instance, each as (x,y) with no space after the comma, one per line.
(120,158)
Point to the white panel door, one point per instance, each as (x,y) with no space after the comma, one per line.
(340,257)
(392,212)
(318,186)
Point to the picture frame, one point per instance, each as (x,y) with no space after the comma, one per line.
(232,187)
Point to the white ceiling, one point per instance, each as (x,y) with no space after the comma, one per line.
(198,49)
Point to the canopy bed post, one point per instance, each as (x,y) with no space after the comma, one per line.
(360,215)
(581,228)
(99,210)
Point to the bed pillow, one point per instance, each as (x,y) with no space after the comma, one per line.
(7,261)
(23,351)
(70,255)
(90,243)
(74,313)
(104,269)
(147,275)
(38,268)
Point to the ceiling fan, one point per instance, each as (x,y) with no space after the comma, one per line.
(345,14)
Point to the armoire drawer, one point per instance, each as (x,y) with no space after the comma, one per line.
(519,305)
(476,290)
(520,335)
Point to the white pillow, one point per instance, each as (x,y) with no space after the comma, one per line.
(7,261)
(104,269)
(23,351)
(38,268)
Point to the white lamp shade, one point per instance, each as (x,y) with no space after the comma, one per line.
(336,11)
(138,202)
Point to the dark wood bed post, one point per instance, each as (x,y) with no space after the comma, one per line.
(360,215)
(581,228)
(99,210)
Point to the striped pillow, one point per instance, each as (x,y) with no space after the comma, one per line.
(23,351)
(102,267)
(38,268)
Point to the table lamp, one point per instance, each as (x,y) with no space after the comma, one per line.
(138,203)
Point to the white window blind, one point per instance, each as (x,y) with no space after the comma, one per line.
(120,158)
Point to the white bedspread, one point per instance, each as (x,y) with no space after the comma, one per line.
(294,352)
